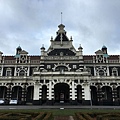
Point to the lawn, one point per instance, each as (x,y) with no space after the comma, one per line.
(63,112)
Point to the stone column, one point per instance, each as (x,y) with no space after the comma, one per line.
(9,92)
(1,71)
(36,90)
(15,71)
(108,74)
(94,71)
(73,90)
(28,71)
(100,94)
(114,95)
(50,93)
(50,90)
(36,100)
(87,93)
(24,94)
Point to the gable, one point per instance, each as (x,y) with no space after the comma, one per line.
(61,37)
(61,52)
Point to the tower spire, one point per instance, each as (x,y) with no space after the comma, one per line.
(61,17)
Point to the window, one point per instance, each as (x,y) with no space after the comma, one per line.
(48,66)
(74,67)
(8,72)
(101,73)
(22,73)
(114,72)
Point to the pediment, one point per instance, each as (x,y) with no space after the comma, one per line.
(99,52)
(23,52)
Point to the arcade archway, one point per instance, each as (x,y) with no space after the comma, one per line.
(16,92)
(29,94)
(107,95)
(94,95)
(61,92)
(3,92)
(79,94)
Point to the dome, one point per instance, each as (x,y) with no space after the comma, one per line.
(80,47)
(104,47)
(19,48)
(42,48)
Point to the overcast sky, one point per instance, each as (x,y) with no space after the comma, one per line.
(31,23)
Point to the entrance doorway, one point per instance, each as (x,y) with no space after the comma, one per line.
(61,92)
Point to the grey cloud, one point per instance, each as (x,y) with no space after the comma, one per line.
(91,23)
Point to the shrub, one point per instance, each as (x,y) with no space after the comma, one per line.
(87,117)
(40,116)
(79,116)
(49,116)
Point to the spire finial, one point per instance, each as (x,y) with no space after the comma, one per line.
(61,17)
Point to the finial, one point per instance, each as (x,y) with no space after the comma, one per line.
(61,17)
(51,37)
(42,48)
(71,38)
(80,47)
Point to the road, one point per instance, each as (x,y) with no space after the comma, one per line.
(56,107)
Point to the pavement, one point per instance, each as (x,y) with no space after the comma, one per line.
(56,107)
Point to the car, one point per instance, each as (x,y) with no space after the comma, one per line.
(2,101)
(13,102)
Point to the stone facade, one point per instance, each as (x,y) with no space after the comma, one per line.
(61,75)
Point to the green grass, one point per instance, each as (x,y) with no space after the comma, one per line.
(63,112)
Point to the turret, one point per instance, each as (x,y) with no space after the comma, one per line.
(104,49)
(1,56)
(42,50)
(18,50)
(80,52)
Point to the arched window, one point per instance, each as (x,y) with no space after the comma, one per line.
(22,73)
(8,72)
(114,72)
(101,72)
(61,69)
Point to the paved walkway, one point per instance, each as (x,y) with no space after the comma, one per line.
(56,107)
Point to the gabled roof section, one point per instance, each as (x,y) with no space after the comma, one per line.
(61,34)
(61,52)
(23,52)
(61,37)
(99,52)
(61,45)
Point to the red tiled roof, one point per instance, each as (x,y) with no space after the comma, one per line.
(9,57)
(113,57)
(34,57)
(88,57)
